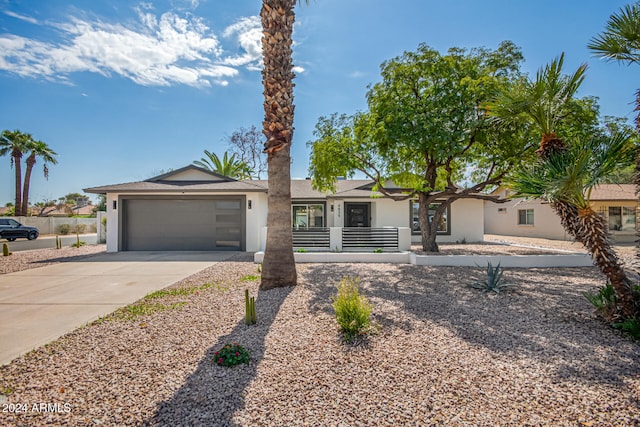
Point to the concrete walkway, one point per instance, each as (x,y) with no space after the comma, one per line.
(39,305)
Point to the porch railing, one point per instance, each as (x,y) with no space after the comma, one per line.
(355,238)
(311,238)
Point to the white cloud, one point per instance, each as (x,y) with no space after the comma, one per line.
(248,34)
(20,17)
(155,51)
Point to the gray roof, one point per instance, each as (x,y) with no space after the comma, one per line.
(203,180)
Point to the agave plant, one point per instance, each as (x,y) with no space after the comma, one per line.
(493,282)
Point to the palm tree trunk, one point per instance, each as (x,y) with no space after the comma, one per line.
(17,158)
(593,229)
(568,214)
(279,268)
(31,161)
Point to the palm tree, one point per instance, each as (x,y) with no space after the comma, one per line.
(227,166)
(544,101)
(277,17)
(15,145)
(568,177)
(37,149)
(620,41)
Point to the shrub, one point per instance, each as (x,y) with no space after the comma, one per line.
(353,310)
(493,282)
(80,228)
(605,302)
(231,355)
(64,229)
(5,250)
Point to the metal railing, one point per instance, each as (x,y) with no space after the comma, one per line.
(311,238)
(369,238)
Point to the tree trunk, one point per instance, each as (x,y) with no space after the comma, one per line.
(17,159)
(278,268)
(31,161)
(428,231)
(593,229)
(568,214)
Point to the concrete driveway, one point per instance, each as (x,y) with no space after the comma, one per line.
(39,305)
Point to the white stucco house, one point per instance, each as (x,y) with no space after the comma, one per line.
(535,218)
(193,209)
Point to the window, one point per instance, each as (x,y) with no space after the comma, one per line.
(622,218)
(443,226)
(525,216)
(307,215)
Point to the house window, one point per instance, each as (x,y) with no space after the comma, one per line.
(443,226)
(622,218)
(525,216)
(307,215)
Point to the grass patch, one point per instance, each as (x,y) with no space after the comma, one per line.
(250,278)
(133,311)
(6,390)
(148,304)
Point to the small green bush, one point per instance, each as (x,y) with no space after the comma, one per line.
(64,229)
(353,310)
(5,250)
(231,355)
(301,250)
(605,301)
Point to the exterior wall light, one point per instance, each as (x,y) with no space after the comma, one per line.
(115,205)
(249,204)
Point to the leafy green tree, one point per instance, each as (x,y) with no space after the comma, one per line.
(227,166)
(37,149)
(425,135)
(278,17)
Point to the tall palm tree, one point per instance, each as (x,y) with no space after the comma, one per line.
(227,166)
(14,144)
(568,177)
(620,41)
(278,268)
(36,149)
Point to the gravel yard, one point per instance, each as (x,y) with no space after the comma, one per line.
(443,354)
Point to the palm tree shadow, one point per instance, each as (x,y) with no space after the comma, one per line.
(212,394)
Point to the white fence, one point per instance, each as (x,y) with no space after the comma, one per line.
(51,224)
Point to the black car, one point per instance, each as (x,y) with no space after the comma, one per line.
(11,229)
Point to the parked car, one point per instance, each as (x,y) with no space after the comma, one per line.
(11,229)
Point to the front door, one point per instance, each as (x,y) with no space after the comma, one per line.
(357,214)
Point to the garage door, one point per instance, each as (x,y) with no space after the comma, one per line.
(188,224)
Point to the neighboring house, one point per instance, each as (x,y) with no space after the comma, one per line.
(534,218)
(195,209)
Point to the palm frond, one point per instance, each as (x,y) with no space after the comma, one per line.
(620,41)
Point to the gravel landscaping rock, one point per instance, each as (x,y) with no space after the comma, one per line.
(441,353)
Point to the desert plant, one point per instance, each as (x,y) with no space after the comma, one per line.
(5,250)
(250,317)
(64,229)
(301,250)
(78,243)
(604,301)
(378,251)
(493,282)
(353,310)
(231,355)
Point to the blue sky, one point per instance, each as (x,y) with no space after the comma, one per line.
(123,90)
